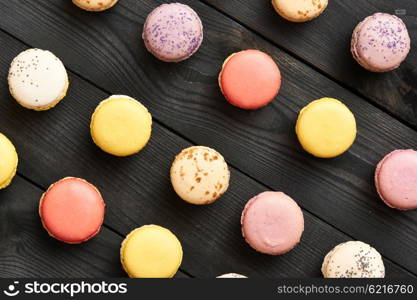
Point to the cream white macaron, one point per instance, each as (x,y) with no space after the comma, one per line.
(95,5)
(200,175)
(37,79)
(231,275)
(353,259)
(299,10)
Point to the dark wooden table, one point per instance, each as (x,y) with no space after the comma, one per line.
(105,55)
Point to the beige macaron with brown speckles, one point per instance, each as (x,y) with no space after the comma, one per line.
(299,10)
(200,175)
(95,5)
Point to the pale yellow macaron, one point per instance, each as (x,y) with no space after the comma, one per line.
(299,10)
(200,175)
(326,128)
(8,161)
(95,5)
(121,125)
(151,251)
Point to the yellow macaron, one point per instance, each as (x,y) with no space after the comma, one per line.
(121,125)
(8,161)
(151,251)
(326,128)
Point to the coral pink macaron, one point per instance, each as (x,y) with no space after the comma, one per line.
(72,210)
(250,79)
(396,179)
(272,223)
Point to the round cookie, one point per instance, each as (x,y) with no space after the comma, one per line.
(353,259)
(200,175)
(231,275)
(173,32)
(72,210)
(272,223)
(95,5)
(380,43)
(37,79)
(121,126)
(8,161)
(396,179)
(326,128)
(299,10)
(151,251)
(250,79)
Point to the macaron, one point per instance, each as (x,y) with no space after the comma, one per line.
(231,275)
(380,43)
(37,79)
(95,5)
(250,79)
(173,32)
(272,223)
(151,251)
(8,161)
(299,10)
(200,175)
(121,125)
(353,259)
(72,210)
(326,128)
(396,179)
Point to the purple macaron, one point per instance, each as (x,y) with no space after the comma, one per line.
(173,32)
(380,43)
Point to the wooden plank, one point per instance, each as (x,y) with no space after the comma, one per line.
(26,250)
(325,42)
(137,191)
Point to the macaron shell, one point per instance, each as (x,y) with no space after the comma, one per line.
(231,275)
(151,251)
(272,223)
(173,32)
(200,175)
(121,125)
(95,5)
(8,161)
(326,128)
(37,79)
(72,210)
(396,179)
(355,259)
(250,79)
(299,10)
(380,42)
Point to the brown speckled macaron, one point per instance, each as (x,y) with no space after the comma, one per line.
(95,5)
(200,175)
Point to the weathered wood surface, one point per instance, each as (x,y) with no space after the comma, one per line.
(105,49)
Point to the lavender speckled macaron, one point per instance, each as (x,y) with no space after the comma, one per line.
(173,32)
(380,43)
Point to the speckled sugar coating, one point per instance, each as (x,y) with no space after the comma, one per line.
(200,175)
(37,79)
(353,259)
(380,43)
(173,32)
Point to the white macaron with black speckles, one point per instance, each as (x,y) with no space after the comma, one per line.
(37,79)
(353,259)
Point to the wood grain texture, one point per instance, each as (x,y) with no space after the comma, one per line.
(137,189)
(106,49)
(325,44)
(26,249)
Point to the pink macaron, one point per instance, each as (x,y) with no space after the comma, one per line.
(396,179)
(380,43)
(272,223)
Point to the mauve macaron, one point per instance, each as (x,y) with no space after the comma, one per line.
(272,223)
(72,210)
(173,32)
(380,43)
(396,179)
